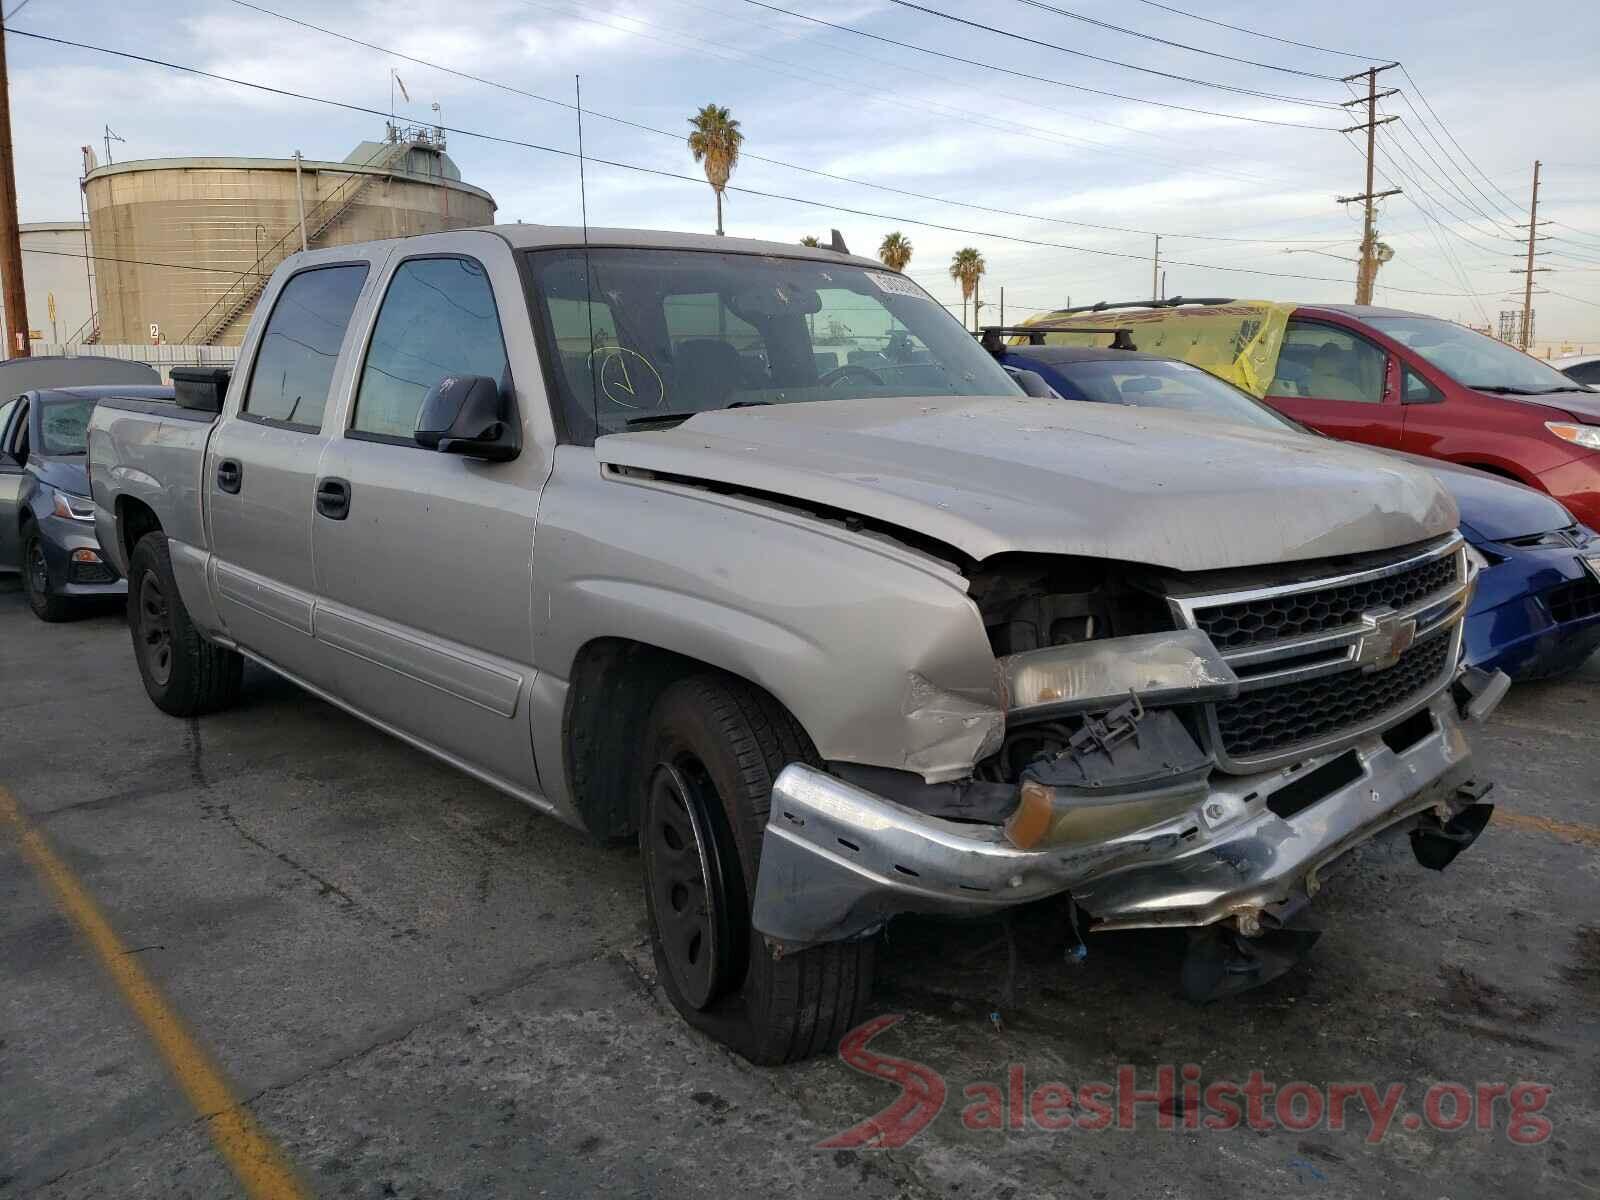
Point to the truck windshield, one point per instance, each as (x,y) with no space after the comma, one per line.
(1474,359)
(639,338)
(1160,383)
(64,422)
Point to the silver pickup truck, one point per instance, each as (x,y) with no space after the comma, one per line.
(748,552)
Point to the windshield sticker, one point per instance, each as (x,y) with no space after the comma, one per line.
(895,285)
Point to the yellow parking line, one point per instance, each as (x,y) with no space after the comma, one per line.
(256,1160)
(1581,835)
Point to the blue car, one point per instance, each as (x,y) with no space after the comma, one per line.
(1536,612)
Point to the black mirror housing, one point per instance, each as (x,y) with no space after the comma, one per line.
(200,388)
(470,415)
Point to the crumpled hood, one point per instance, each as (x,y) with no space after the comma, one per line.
(1495,508)
(995,474)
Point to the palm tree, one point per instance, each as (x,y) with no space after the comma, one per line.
(810,239)
(895,250)
(965,268)
(715,142)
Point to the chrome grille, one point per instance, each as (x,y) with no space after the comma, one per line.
(1323,662)
(1296,614)
(1298,713)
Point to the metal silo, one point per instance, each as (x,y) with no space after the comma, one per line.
(184,245)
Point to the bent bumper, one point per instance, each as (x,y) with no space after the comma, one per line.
(838,861)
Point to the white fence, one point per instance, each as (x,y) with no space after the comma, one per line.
(162,358)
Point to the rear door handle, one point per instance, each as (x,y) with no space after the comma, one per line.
(230,476)
(333,499)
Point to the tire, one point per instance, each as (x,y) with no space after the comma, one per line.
(714,745)
(46,605)
(183,673)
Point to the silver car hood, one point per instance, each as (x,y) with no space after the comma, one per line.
(994,474)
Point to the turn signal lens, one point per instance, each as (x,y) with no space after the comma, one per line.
(85,556)
(1587,436)
(1031,821)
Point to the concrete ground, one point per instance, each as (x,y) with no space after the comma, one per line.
(420,988)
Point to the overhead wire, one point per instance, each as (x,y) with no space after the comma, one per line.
(1258,33)
(988,66)
(996,123)
(1115,62)
(665,174)
(745,154)
(1150,37)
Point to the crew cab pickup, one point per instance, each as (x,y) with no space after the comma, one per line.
(748,552)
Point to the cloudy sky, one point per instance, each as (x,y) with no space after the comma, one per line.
(1060,185)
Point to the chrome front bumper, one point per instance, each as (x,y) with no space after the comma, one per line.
(838,861)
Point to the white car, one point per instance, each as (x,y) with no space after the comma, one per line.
(1585,368)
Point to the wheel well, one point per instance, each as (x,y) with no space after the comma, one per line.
(1488,469)
(135,518)
(613,686)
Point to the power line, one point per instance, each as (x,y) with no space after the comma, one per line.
(138,262)
(1451,136)
(1257,33)
(1222,87)
(878,37)
(1150,37)
(665,174)
(1009,128)
(778,162)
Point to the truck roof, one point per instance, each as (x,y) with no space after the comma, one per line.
(533,237)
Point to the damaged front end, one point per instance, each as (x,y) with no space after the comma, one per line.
(1176,752)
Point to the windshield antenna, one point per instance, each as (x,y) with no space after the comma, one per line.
(588,268)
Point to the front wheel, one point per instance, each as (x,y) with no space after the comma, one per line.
(714,746)
(46,605)
(183,673)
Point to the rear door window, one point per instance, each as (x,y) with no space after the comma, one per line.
(1328,363)
(437,319)
(300,348)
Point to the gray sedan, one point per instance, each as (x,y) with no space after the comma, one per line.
(46,516)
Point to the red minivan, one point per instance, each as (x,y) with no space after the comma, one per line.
(1430,386)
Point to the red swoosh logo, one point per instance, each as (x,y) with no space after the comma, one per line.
(922,1092)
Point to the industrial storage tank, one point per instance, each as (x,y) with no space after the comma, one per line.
(183,246)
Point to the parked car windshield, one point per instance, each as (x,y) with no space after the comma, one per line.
(1474,359)
(1160,383)
(639,338)
(64,422)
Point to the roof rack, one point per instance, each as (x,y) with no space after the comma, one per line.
(1175,302)
(989,336)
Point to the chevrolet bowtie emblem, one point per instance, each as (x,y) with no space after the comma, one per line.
(1387,636)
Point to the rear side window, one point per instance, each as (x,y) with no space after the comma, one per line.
(1329,364)
(300,348)
(1586,372)
(438,319)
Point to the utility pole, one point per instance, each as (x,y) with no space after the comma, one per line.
(1525,334)
(299,200)
(1155,272)
(1367,272)
(1002,305)
(16,301)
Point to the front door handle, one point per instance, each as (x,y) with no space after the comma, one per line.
(333,499)
(230,476)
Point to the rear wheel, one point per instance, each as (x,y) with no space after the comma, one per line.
(46,605)
(183,673)
(714,746)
